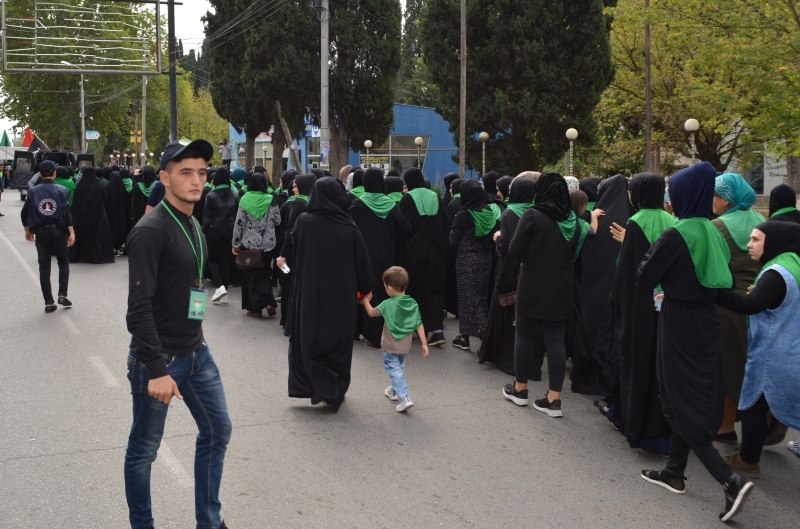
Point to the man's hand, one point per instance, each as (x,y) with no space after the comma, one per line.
(71,238)
(163,388)
(28,235)
(281,262)
(425,351)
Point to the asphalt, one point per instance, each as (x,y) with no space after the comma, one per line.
(462,457)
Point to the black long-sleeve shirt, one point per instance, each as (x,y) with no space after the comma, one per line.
(769,293)
(162,269)
(26,205)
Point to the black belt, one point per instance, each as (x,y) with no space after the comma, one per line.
(52,226)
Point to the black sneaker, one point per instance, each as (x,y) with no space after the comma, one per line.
(736,492)
(316,399)
(62,300)
(462,342)
(520,398)
(553,409)
(665,478)
(222,525)
(50,308)
(437,338)
(729,437)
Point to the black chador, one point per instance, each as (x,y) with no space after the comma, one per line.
(93,241)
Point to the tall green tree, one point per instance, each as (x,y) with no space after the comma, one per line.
(534,69)
(413,85)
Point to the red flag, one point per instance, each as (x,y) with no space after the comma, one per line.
(26,142)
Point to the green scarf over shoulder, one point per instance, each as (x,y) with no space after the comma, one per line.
(146,189)
(789,260)
(427,201)
(358,191)
(395,196)
(256,203)
(401,314)
(485,219)
(740,224)
(379,203)
(709,251)
(653,222)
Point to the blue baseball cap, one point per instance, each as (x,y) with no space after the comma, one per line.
(47,166)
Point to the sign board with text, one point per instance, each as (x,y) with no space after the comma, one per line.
(380,161)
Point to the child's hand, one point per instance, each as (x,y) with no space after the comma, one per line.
(598,213)
(425,351)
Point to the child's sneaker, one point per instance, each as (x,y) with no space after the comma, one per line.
(390,393)
(405,404)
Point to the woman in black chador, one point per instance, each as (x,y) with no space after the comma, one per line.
(381,223)
(448,180)
(93,241)
(425,252)
(290,212)
(783,204)
(690,261)
(454,205)
(118,210)
(497,344)
(636,409)
(141,192)
(595,363)
(330,268)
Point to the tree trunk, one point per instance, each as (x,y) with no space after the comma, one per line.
(278,145)
(793,173)
(75,131)
(340,147)
(250,149)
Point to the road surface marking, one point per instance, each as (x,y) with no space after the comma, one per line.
(166,456)
(21,259)
(111,381)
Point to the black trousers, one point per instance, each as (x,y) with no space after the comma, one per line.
(221,261)
(528,351)
(708,455)
(755,430)
(52,241)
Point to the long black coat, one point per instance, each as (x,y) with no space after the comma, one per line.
(689,353)
(636,328)
(292,211)
(380,236)
(330,267)
(118,210)
(424,256)
(93,240)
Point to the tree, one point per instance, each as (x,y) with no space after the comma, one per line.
(413,85)
(365,59)
(535,68)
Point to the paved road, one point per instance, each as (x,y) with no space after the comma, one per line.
(463,457)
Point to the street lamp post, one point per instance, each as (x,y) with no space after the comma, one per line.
(151,157)
(368,145)
(692,126)
(418,142)
(143,155)
(264,150)
(572,135)
(484,136)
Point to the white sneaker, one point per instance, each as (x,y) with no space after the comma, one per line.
(794,446)
(224,299)
(404,405)
(219,294)
(390,393)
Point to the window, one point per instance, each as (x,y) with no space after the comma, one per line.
(403,152)
(313,152)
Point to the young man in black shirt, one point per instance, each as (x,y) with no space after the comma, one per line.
(168,353)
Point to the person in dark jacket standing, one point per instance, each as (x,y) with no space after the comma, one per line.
(219,215)
(47,221)
(168,353)
(545,289)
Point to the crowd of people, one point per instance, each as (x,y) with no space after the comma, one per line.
(673,304)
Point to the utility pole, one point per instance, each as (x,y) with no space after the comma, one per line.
(144,115)
(325,126)
(83,118)
(173,83)
(648,109)
(462,121)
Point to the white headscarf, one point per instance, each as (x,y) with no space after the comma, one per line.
(572,182)
(349,186)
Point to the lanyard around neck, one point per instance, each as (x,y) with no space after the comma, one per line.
(199,258)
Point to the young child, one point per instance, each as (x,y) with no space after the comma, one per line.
(402,317)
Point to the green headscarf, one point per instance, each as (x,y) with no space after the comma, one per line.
(401,314)
(427,201)
(146,189)
(653,222)
(457,195)
(567,226)
(789,260)
(69,183)
(395,196)
(590,205)
(709,251)
(740,219)
(519,207)
(485,219)
(257,201)
(128,183)
(358,191)
(221,186)
(379,203)
(209,185)
(584,226)
(779,212)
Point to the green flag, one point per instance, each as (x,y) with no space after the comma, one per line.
(5,142)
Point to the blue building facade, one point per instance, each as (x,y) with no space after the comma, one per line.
(410,122)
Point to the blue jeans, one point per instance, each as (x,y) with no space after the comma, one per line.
(200,385)
(394,368)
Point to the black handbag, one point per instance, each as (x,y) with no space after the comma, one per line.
(249,259)
(509,299)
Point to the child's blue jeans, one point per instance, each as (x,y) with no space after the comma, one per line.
(394,368)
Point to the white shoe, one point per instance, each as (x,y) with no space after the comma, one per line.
(404,404)
(224,299)
(794,446)
(390,393)
(219,294)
